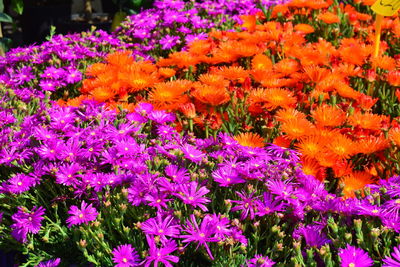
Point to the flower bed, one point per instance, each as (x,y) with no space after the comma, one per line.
(270,140)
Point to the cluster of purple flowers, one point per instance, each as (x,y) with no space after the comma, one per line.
(197,193)
(57,63)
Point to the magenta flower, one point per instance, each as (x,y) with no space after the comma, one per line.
(125,256)
(189,194)
(83,215)
(192,153)
(394,260)
(20,183)
(227,176)
(26,222)
(50,263)
(201,235)
(352,256)
(162,227)
(260,261)
(169,41)
(160,255)
(246,204)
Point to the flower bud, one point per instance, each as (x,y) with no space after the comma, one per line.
(82,243)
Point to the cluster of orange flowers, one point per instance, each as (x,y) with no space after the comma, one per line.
(319,95)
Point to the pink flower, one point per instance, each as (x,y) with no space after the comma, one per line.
(83,215)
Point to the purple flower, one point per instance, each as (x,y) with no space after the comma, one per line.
(226,176)
(53,73)
(192,153)
(160,255)
(48,85)
(260,261)
(352,256)
(161,116)
(26,222)
(160,226)
(195,37)
(313,235)
(246,204)
(157,200)
(268,205)
(19,183)
(200,234)
(125,256)
(221,225)
(83,215)
(189,194)
(49,263)
(73,76)
(394,260)
(178,175)
(169,41)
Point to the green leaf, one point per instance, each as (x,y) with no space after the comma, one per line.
(1,6)
(5,18)
(17,6)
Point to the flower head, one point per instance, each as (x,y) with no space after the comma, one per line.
(125,256)
(260,261)
(352,257)
(26,222)
(83,215)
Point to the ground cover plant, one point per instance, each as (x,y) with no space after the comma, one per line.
(277,81)
(271,140)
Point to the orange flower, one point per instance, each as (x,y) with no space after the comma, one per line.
(342,168)
(213,80)
(347,69)
(304,28)
(138,80)
(284,115)
(276,97)
(394,135)
(354,53)
(328,159)
(120,58)
(384,62)
(233,73)
(249,22)
(212,95)
(371,144)
(250,139)
(355,181)
(345,90)
(96,69)
(169,95)
(341,146)
(315,73)
(366,121)
(366,102)
(328,17)
(188,109)
(166,72)
(329,82)
(296,128)
(282,141)
(261,62)
(328,116)
(287,66)
(311,146)
(102,94)
(200,47)
(393,78)
(311,167)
